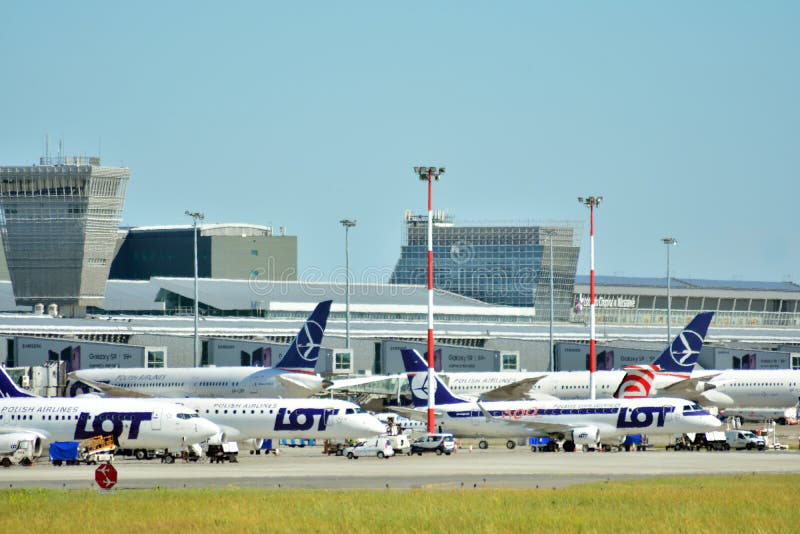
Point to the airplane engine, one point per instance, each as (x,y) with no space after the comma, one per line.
(76,388)
(715,398)
(586,435)
(11,443)
(251,444)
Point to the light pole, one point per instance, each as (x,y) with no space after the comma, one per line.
(196,216)
(428,174)
(347,223)
(669,241)
(591,203)
(550,234)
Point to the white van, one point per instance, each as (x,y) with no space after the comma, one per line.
(744,439)
(380,447)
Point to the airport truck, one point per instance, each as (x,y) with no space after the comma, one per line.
(745,439)
(19,448)
(89,451)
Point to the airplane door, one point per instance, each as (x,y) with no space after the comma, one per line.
(669,417)
(155,422)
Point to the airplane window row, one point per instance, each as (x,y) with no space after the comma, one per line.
(544,411)
(150,385)
(244,412)
(601,386)
(762,384)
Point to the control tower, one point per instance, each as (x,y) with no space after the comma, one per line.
(59,223)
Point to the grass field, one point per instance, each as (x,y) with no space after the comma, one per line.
(749,503)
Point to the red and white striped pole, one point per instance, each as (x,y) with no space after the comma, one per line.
(591,202)
(429,173)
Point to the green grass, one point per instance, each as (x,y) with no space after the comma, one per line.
(748,503)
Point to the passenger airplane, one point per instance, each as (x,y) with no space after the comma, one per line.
(134,423)
(749,388)
(675,363)
(247,421)
(293,376)
(578,422)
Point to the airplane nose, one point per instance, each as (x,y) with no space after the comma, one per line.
(375,426)
(206,429)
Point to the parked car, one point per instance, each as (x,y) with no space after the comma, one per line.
(440,443)
(380,447)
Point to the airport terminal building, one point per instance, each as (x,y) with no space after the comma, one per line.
(62,242)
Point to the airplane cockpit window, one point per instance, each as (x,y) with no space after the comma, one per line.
(349,411)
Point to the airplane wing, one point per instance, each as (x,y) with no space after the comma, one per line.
(289,381)
(108,390)
(536,427)
(689,388)
(516,390)
(354,384)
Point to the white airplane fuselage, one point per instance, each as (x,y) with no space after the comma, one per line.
(612,418)
(215,382)
(134,423)
(243,419)
(754,388)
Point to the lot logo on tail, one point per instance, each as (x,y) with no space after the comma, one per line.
(305,341)
(681,349)
(419,385)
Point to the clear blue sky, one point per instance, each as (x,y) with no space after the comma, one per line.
(683,115)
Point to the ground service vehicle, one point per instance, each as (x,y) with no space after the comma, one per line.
(380,447)
(19,448)
(443,443)
(228,450)
(400,443)
(89,451)
(744,439)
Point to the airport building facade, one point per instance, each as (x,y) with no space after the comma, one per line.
(224,251)
(736,303)
(59,221)
(499,264)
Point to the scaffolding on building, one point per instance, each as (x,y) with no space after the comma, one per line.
(504,263)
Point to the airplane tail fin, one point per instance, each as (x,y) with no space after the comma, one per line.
(682,353)
(637,383)
(8,388)
(417,371)
(303,353)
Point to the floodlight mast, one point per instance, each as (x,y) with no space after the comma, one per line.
(196,216)
(591,203)
(429,174)
(669,241)
(347,223)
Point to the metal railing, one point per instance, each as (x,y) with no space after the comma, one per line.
(732,319)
